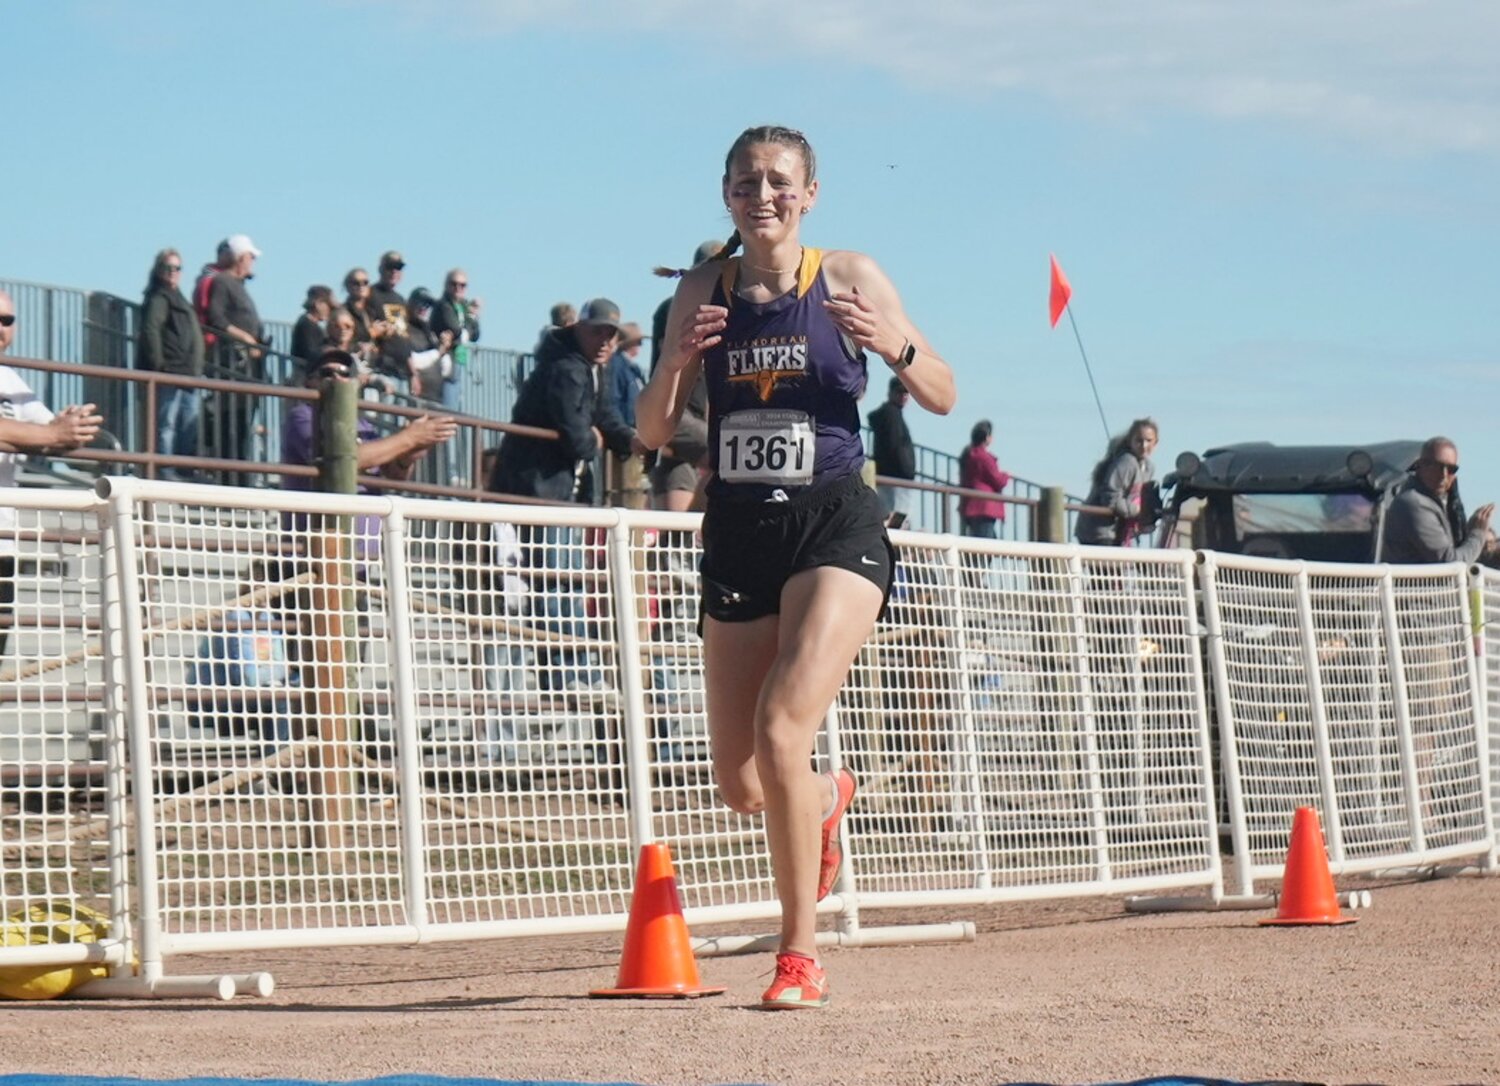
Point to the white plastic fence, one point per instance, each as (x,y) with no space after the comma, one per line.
(1355,690)
(379,720)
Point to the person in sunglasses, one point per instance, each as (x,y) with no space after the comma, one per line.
(171,341)
(28,426)
(1426,521)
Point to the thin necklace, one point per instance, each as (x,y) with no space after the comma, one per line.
(774,271)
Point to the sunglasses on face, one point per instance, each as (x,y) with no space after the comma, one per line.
(458,286)
(7,319)
(1447,469)
(174,267)
(359,282)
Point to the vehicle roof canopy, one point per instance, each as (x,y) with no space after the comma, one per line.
(1259,467)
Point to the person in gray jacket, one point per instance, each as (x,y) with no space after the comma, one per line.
(1426,521)
(1123,483)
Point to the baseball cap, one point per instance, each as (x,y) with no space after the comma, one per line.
(392,259)
(240,244)
(600,311)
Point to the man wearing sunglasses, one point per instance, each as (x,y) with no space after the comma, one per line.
(1426,521)
(27,426)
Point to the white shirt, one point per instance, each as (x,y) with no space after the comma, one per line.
(18,402)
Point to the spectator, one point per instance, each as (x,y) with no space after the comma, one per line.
(368,325)
(203,288)
(27,426)
(561,315)
(1426,520)
(239,354)
(457,314)
(171,342)
(310,335)
(625,380)
(565,393)
(675,476)
(979,470)
(1123,484)
(390,457)
(431,358)
(893,454)
(342,328)
(392,343)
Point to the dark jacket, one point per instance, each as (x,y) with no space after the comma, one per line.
(230,304)
(393,351)
(170,339)
(308,340)
(445,319)
(689,444)
(564,393)
(893,452)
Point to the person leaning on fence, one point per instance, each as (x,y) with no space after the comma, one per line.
(1124,484)
(392,345)
(239,353)
(796,561)
(27,426)
(1426,521)
(171,341)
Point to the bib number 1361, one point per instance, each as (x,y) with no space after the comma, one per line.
(767,447)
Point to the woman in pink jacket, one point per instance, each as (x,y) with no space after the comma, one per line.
(979,470)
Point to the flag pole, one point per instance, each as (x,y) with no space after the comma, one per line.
(1089,370)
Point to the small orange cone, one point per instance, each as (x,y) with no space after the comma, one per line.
(658,959)
(1307,895)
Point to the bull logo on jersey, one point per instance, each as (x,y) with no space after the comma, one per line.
(764,362)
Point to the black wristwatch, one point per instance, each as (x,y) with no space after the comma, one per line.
(907,356)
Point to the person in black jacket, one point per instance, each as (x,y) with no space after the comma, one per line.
(171,341)
(385,303)
(893,453)
(565,393)
(310,334)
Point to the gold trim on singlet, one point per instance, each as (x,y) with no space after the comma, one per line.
(807,273)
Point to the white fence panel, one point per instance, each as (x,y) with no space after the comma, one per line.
(57,850)
(1486,607)
(1352,689)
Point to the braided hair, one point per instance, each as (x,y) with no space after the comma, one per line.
(766,133)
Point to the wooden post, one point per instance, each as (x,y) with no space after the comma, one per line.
(1051,516)
(336,451)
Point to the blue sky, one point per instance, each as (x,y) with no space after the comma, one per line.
(1279,219)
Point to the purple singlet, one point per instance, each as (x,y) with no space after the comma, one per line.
(783,391)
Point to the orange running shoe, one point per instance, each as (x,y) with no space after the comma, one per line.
(833,848)
(800,984)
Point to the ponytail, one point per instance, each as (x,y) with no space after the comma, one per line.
(677,273)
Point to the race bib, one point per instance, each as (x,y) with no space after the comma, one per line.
(767,446)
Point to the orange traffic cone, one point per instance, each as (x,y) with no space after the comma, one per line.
(658,959)
(1307,895)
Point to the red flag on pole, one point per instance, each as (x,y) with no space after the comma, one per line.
(1062,290)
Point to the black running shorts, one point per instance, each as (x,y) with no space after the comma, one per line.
(751,550)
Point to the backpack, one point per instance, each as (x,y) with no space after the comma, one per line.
(201,291)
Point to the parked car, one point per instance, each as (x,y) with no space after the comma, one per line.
(1317,502)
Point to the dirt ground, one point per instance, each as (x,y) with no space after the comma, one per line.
(1068,992)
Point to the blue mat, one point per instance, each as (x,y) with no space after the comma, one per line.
(437,1080)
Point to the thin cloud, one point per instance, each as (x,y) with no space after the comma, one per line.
(1402,75)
